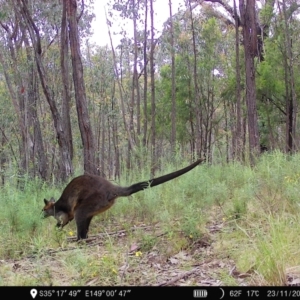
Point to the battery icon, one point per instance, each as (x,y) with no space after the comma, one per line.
(200,293)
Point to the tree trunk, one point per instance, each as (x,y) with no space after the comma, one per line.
(38,156)
(122,104)
(291,97)
(102,137)
(64,64)
(145,124)
(248,20)
(115,139)
(135,79)
(80,95)
(173,96)
(198,116)
(3,157)
(153,106)
(238,149)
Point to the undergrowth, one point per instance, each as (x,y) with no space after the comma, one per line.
(257,207)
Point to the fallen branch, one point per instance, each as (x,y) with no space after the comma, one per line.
(101,235)
(186,274)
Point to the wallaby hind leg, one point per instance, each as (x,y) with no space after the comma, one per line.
(83,221)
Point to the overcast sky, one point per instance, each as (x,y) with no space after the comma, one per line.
(100,37)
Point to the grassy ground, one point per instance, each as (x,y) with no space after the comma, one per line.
(216,225)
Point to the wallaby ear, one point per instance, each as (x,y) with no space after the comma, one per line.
(52,200)
(46,201)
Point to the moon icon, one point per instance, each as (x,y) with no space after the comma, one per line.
(223,293)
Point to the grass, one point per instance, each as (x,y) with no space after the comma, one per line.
(255,212)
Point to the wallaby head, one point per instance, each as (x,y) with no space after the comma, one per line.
(88,195)
(49,210)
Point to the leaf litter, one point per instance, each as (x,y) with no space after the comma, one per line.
(197,266)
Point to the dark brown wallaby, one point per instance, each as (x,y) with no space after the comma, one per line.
(88,195)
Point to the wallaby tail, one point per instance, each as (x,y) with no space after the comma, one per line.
(159,180)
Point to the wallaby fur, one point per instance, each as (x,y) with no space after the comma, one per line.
(88,195)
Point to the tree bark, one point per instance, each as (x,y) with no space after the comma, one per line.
(291,97)
(38,156)
(64,64)
(248,21)
(173,96)
(153,106)
(238,149)
(135,79)
(198,116)
(145,123)
(80,95)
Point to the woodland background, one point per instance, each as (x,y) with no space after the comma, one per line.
(221,81)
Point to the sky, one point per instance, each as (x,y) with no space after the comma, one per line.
(101,37)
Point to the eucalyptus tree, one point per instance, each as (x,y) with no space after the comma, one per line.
(20,75)
(266,23)
(9,156)
(252,45)
(138,53)
(102,94)
(129,86)
(144,71)
(30,18)
(152,87)
(65,76)
(35,43)
(198,76)
(87,135)
(173,97)
(291,103)
(277,80)
(118,72)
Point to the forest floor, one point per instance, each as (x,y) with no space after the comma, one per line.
(183,268)
(116,258)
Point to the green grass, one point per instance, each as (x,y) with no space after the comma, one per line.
(256,208)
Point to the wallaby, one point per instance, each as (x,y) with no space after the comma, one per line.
(88,195)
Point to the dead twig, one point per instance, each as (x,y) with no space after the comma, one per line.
(186,274)
(119,232)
